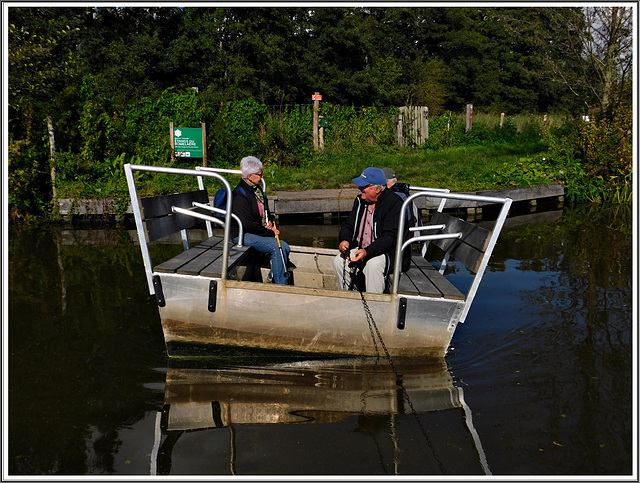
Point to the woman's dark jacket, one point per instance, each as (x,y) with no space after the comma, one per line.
(245,207)
(385,227)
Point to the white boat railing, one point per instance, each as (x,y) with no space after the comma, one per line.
(137,212)
(446,195)
(223,171)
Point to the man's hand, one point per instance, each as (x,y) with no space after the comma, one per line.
(358,255)
(344,246)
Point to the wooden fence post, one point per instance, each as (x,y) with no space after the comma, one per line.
(172,142)
(469,117)
(426,124)
(398,123)
(316,113)
(204,142)
(501,120)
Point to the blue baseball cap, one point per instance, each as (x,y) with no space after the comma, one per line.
(371,176)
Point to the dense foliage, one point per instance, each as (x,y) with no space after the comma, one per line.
(112,78)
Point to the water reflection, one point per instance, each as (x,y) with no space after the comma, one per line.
(544,358)
(399,408)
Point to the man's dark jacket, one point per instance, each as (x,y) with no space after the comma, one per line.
(245,207)
(385,227)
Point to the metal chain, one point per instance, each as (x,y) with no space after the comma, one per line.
(372,323)
(366,307)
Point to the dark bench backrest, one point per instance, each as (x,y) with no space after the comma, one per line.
(158,219)
(469,249)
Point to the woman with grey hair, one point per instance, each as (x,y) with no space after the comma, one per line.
(251,205)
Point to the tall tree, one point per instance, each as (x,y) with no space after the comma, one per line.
(40,64)
(126,50)
(583,54)
(608,46)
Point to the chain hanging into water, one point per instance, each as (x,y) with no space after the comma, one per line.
(373,325)
(352,274)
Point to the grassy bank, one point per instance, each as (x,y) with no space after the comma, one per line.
(460,168)
(469,168)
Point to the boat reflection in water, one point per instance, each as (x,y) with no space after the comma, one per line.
(367,417)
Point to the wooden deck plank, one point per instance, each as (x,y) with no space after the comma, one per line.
(173,264)
(190,261)
(214,269)
(211,242)
(429,272)
(201,262)
(406,285)
(424,286)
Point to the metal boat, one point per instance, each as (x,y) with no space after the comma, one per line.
(213,294)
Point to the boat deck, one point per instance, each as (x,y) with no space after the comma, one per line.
(425,280)
(205,259)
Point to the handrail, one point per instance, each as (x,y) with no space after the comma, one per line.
(220,222)
(137,212)
(506,204)
(227,171)
(436,190)
(202,216)
(426,227)
(442,236)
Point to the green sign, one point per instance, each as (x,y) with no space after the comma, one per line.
(188,142)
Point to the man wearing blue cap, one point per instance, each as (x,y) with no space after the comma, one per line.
(368,237)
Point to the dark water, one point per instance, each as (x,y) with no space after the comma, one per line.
(539,380)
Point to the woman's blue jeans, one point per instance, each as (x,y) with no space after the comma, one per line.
(269,245)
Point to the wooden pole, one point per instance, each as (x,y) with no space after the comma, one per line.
(469,117)
(501,120)
(398,123)
(204,143)
(172,142)
(316,114)
(426,122)
(321,136)
(52,154)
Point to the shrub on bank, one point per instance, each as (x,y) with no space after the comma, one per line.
(591,159)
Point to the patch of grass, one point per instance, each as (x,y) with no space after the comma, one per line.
(469,168)
(466,168)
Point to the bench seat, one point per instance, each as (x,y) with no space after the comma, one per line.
(203,259)
(425,280)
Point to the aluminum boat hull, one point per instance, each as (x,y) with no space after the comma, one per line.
(298,319)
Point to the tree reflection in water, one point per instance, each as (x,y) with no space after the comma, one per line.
(544,359)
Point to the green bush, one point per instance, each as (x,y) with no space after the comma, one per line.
(29,180)
(592,160)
